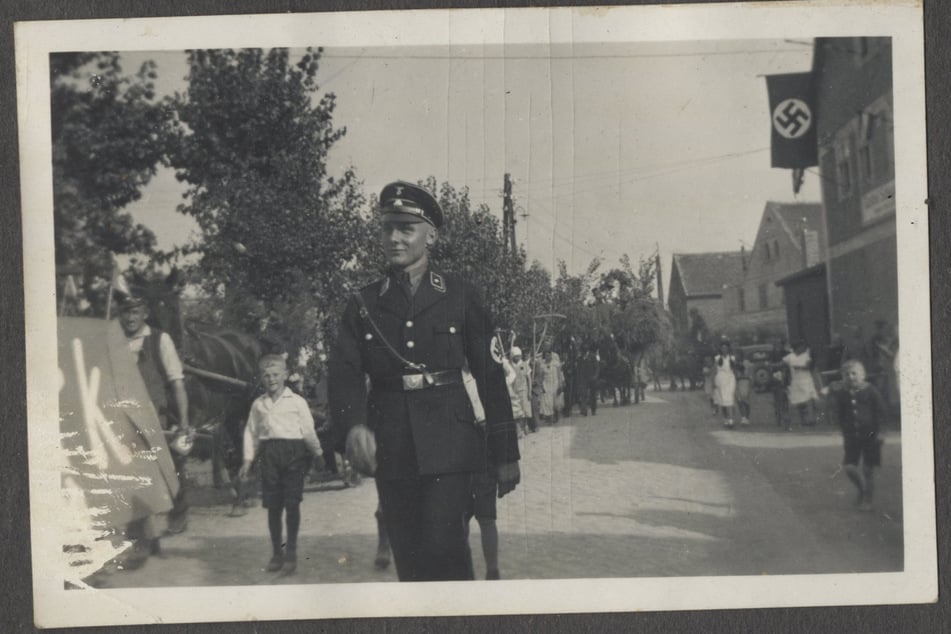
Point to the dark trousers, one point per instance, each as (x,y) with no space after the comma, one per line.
(425,518)
(583,397)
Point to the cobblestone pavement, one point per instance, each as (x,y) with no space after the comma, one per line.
(655,489)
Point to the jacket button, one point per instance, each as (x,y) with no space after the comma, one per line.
(409,324)
(410,344)
(452,330)
(368,336)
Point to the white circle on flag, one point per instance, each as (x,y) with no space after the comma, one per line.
(495,347)
(792,118)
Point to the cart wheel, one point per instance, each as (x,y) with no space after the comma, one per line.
(761,377)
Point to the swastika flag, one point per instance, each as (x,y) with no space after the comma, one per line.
(792,120)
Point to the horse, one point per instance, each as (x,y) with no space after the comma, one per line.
(220,377)
(617,371)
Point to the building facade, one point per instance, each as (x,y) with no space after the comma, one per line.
(697,283)
(853,89)
(807,308)
(790,238)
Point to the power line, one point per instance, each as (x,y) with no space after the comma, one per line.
(461,58)
(641,170)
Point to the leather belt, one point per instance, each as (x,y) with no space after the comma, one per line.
(412,382)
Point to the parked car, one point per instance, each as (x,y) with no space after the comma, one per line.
(756,357)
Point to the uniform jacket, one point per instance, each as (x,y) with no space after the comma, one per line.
(430,431)
(860,413)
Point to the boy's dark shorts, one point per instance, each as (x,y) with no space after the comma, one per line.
(284,463)
(866,446)
(484,489)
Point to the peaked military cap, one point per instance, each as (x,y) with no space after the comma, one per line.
(131,300)
(401,197)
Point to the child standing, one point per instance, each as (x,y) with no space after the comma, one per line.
(280,432)
(744,387)
(724,381)
(860,410)
(778,381)
(802,384)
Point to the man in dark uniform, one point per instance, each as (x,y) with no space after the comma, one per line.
(412,333)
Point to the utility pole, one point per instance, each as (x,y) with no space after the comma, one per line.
(508,214)
(660,278)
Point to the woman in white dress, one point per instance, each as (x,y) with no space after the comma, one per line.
(724,382)
(549,383)
(802,384)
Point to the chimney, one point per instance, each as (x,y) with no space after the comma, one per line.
(810,248)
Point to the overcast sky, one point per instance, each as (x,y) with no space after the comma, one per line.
(614,148)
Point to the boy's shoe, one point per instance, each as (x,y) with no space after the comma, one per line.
(728,422)
(290,563)
(492,575)
(276,563)
(744,421)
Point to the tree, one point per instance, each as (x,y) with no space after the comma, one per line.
(109,133)
(470,243)
(254,132)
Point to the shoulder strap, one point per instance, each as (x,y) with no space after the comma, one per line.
(365,315)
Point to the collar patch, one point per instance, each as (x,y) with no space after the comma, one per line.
(435,279)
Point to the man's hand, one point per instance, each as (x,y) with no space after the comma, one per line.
(361,450)
(508,475)
(245,468)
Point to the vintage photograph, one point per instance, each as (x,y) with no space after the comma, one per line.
(588,309)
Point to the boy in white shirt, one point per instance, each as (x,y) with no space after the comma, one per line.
(280,431)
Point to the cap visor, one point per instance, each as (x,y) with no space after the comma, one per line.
(400,216)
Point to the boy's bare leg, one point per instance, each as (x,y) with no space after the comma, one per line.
(293,528)
(490,547)
(274,524)
(869,488)
(859,481)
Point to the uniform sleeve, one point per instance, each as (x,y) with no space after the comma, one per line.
(307,428)
(346,381)
(251,435)
(501,433)
(170,360)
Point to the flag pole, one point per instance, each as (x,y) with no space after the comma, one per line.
(112,282)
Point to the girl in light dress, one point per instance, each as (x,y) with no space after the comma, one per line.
(724,381)
(802,384)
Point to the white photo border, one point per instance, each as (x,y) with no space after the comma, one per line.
(902,21)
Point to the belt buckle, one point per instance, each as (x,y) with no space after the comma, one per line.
(412,382)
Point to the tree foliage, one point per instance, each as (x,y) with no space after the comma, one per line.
(252,143)
(109,134)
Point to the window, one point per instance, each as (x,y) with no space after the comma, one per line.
(775,248)
(767,249)
(843,177)
(865,164)
(763,304)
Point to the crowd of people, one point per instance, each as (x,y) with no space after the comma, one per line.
(797,377)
